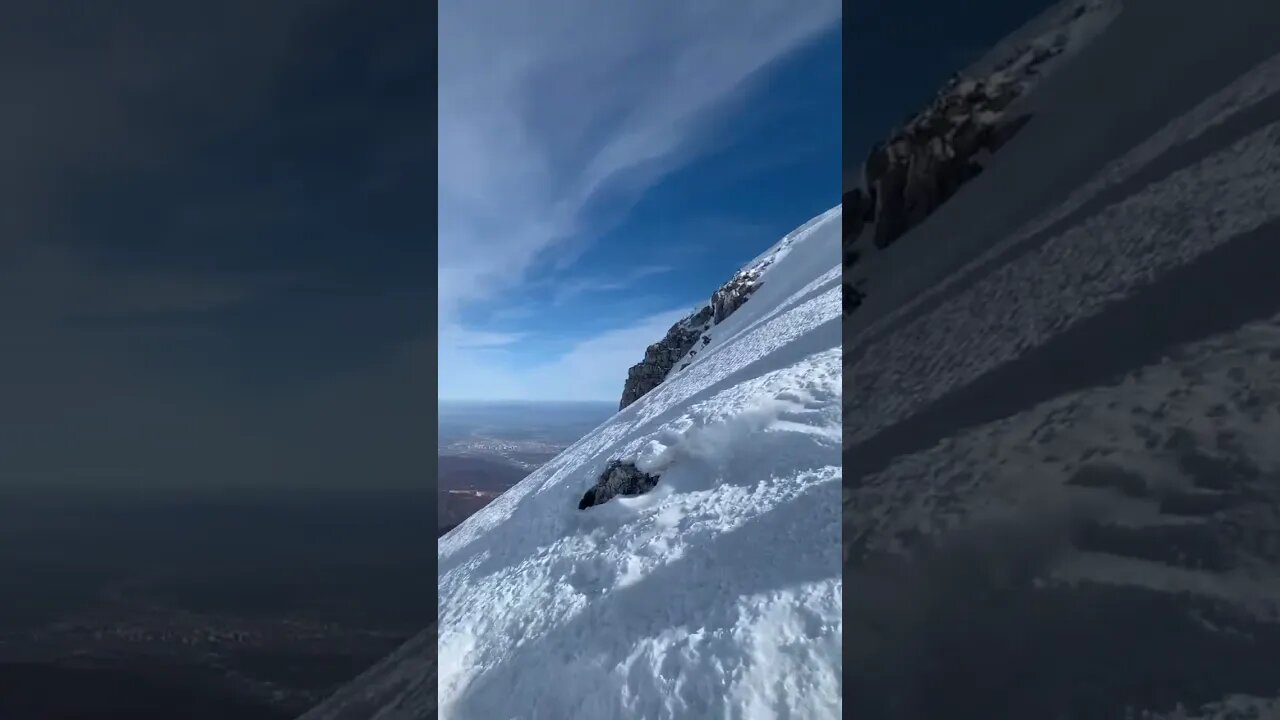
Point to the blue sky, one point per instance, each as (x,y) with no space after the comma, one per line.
(218,254)
(604,167)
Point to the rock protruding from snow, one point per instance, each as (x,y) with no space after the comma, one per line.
(924,163)
(715,594)
(661,357)
(1108,485)
(733,294)
(619,478)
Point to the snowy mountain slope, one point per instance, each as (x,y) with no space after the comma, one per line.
(770,296)
(1062,494)
(921,165)
(1078,20)
(402,685)
(693,333)
(1108,98)
(717,594)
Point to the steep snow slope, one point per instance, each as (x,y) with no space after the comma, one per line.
(715,595)
(1062,488)
(921,165)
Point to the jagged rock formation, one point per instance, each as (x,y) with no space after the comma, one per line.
(732,294)
(683,338)
(1059,502)
(619,478)
(923,164)
(662,356)
(927,161)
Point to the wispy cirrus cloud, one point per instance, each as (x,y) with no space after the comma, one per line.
(573,288)
(591,369)
(554,117)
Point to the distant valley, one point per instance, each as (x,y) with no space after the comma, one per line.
(469,483)
(486,448)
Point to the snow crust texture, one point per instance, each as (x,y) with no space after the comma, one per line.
(716,594)
(675,352)
(1061,475)
(924,163)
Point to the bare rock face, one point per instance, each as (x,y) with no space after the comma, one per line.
(857,212)
(733,294)
(618,478)
(852,297)
(925,162)
(683,337)
(661,357)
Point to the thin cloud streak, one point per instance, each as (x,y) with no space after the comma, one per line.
(593,369)
(553,115)
(567,290)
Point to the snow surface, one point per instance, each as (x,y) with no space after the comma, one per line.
(1058,20)
(400,686)
(1071,277)
(1256,85)
(716,595)
(814,266)
(1061,494)
(1226,383)
(1060,30)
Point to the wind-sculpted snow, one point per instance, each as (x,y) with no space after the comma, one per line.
(1070,277)
(1258,84)
(1062,493)
(1145,513)
(717,594)
(674,603)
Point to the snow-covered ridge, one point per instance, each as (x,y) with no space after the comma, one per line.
(926,161)
(697,598)
(691,334)
(715,594)
(1059,416)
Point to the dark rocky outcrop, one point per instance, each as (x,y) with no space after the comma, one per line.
(661,357)
(733,294)
(852,298)
(904,179)
(619,478)
(922,164)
